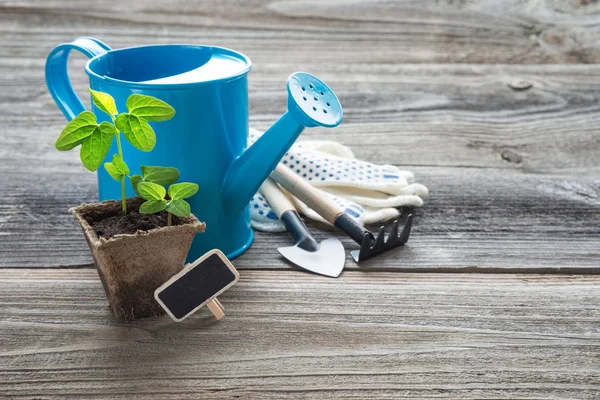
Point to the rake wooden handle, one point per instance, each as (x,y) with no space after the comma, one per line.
(278,201)
(308,194)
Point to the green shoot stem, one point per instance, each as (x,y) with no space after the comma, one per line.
(123,202)
(120,150)
(119,144)
(169,218)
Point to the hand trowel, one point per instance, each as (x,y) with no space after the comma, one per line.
(325,258)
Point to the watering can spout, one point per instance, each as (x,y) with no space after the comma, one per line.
(310,103)
(252,167)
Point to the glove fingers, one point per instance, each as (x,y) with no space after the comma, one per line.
(406,175)
(380,215)
(412,195)
(396,201)
(386,201)
(393,189)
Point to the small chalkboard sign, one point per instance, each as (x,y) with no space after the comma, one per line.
(197,285)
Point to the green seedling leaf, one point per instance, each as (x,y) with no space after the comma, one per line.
(104,102)
(149,108)
(76,131)
(153,206)
(151,191)
(120,164)
(117,168)
(95,147)
(182,190)
(135,180)
(163,176)
(137,131)
(107,127)
(113,171)
(179,207)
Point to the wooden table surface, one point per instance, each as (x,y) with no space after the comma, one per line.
(492,104)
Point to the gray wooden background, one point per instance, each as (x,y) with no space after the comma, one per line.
(492,104)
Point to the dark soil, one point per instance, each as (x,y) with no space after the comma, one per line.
(110,224)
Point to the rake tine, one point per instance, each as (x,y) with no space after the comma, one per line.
(379,241)
(406,230)
(365,248)
(373,244)
(393,237)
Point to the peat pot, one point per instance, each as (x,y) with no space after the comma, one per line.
(132,266)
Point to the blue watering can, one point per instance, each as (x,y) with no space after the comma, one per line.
(207,138)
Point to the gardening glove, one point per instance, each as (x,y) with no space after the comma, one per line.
(368,192)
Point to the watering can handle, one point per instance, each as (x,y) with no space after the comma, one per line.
(57,77)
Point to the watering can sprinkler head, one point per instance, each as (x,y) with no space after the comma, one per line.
(310,103)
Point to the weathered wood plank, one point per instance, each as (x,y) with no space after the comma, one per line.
(325,32)
(474,220)
(426,115)
(508,151)
(293,335)
(513,174)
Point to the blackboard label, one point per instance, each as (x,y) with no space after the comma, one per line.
(196,285)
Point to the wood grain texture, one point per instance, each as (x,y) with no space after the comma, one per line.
(292,335)
(347,31)
(513,174)
(494,106)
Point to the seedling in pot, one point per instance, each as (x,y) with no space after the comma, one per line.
(95,139)
(132,265)
(157,199)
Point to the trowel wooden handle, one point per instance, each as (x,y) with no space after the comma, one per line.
(308,194)
(278,201)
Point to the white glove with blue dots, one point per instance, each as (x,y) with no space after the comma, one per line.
(369,193)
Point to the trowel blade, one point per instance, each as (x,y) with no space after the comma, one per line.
(328,260)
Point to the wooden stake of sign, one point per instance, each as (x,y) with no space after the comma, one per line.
(219,304)
(215,307)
